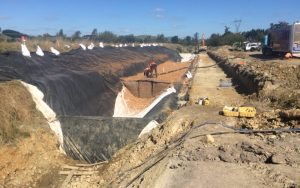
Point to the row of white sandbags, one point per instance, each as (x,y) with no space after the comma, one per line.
(40,52)
(133,45)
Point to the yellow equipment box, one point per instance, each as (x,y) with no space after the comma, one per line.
(247,111)
(230,111)
(239,111)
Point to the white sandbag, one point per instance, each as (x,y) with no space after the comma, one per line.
(39,51)
(151,125)
(53,50)
(189,75)
(82,46)
(91,46)
(25,51)
(186,57)
(101,45)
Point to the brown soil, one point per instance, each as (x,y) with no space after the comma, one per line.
(15,115)
(162,69)
(29,161)
(29,155)
(283,72)
(136,103)
(278,82)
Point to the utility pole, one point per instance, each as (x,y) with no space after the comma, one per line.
(203,40)
(196,38)
(237,24)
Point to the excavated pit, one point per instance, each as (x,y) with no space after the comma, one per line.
(146,88)
(81,88)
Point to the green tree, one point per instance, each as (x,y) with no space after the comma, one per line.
(279,25)
(46,35)
(214,40)
(60,34)
(107,36)
(126,38)
(175,39)
(76,35)
(161,38)
(227,31)
(148,38)
(188,40)
(231,38)
(94,34)
(254,35)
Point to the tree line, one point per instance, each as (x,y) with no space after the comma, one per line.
(216,39)
(254,35)
(105,36)
(110,37)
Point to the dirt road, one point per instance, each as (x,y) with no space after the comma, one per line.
(206,83)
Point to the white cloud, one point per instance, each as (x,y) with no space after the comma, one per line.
(159,13)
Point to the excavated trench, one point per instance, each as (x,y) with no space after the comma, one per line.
(246,80)
(81,87)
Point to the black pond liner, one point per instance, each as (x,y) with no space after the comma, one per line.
(70,83)
(95,139)
(84,99)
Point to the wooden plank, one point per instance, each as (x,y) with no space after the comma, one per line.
(93,164)
(70,167)
(77,172)
(68,179)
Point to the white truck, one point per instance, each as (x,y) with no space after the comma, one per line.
(252,46)
(283,41)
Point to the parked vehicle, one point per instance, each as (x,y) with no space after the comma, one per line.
(237,46)
(252,46)
(283,41)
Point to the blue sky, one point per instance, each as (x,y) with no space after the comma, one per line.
(182,18)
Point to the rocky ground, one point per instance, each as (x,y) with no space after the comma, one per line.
(274,83)
(278,77)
